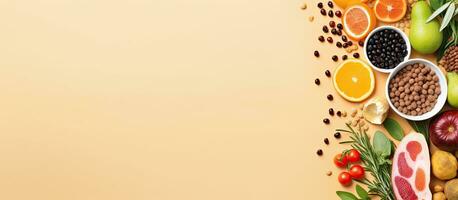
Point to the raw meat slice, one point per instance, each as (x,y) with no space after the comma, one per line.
(403,167)
(410,174)
(404,189)
(414,148)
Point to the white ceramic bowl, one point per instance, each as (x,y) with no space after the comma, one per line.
(381,28)
(440,100)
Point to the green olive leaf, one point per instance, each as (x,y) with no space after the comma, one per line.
(448,16)
(361,192)
(346,195)
(382,145)
(393,128)
(438,11)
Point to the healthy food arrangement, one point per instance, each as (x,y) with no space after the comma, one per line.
(378,159)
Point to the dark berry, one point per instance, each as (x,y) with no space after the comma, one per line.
(321,38)
(326,141)
(325,29)
(326,121)
(344,57)
(320,5)
(316,53)
(330,40)
(332,24)
(335,58)
(339,32)
(331,111)
(339,113)
(356,55)
(361,43)
(339,44)
(340,26)
(345,45)
(327,73)
(350,43)
(330,4)
(319,152)
(337,135)
(331,13)
(330,97)
(323,12)
(338,14)
(334,31)
(317,81)
(344,38)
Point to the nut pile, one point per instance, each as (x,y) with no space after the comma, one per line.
(358,120)
(414,90)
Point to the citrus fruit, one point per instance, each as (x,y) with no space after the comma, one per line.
(345,3)
(358,20)
(354,80)
(390,10)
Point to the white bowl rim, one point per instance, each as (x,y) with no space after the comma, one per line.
(404,36)
(440,100)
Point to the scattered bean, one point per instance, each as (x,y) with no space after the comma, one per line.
(337,135)
(319,152)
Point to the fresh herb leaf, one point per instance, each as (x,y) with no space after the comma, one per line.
(421,127)
(393,128)
(438,11)
(362,193)
(448,16)
(346,195)
(435,4)
(382,145)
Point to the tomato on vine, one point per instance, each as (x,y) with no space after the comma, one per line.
(353,155)
(344,178)
(340,160)
(357,172)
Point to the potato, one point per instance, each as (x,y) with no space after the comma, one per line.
(451,189)
(444,165)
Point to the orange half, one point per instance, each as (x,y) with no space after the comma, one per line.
(390,10)
(358,20)
(354,80)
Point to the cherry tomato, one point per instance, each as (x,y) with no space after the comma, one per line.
(344,178)
(357,172)
(353,156)
(340,161)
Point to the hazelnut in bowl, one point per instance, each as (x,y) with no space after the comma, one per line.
(416,89)
(386,47)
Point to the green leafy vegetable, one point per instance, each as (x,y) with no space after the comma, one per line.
(382,145)
(421,127)
(346,195)
(379,168)
(393,128)
(362,193)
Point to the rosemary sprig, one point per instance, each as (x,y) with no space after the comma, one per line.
(378,167)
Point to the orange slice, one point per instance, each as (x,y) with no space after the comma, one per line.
(390,10)
(345,3)
(358,20)
(354,80)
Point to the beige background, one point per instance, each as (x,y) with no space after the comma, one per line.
(164,99)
